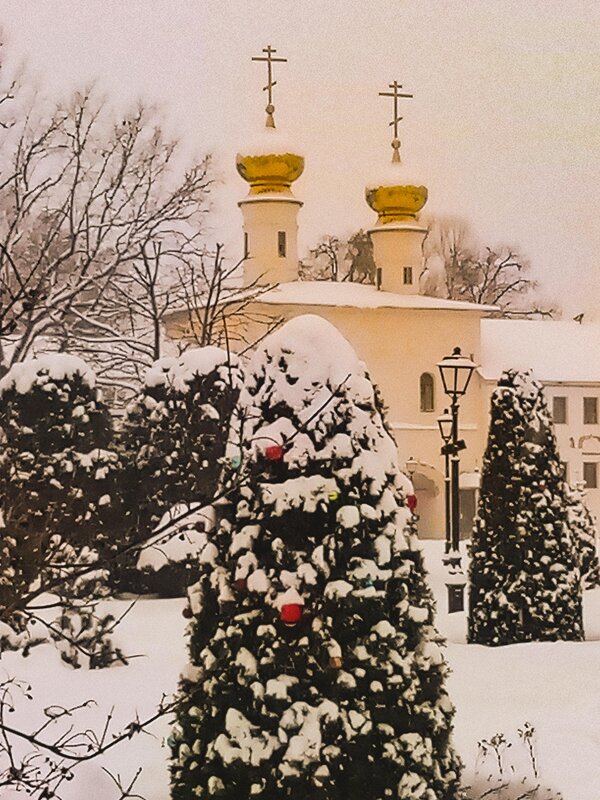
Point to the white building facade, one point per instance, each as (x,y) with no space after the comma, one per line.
(401,335)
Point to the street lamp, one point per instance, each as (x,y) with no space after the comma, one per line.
(456,371)
(445,425)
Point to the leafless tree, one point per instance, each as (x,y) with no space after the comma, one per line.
(451,241)
(324,261)
(336,259)
(89,208)
(217,311)
(492,276)
(362,267)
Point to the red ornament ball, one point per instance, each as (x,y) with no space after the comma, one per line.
(241,584)
(291,613)
(187,612)
(411,501)
(274,453)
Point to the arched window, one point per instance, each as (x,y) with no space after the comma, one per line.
(426,391)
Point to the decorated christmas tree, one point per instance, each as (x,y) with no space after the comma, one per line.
(525,582)
(315,670)
(174,437)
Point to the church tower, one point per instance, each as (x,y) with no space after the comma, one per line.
(397,236)
(270,210)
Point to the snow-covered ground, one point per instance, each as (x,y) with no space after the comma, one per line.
(553,686)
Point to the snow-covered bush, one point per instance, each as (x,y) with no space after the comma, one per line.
(525,581)
(175,434)
(169,559)
(58,474)
(59,483)
(316,670)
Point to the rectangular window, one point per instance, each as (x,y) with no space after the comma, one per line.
(590,474)
(281,244)
(408,275)
(559,410)
(246,246)
(590,410)
(565,468)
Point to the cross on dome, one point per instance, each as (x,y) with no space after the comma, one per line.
(269,58)
(395,86)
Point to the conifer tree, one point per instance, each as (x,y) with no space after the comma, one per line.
(583,529)
(57,472)
(174,437)
(525,582)
(316,670)
(59,481)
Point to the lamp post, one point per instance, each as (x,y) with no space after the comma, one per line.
(456,371)
(445,425)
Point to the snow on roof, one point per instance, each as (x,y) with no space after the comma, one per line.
(52,366)
(393,174)
(555,350)
(357,295)
(268,142)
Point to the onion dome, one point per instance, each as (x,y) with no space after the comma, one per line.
(396,203)
(271,173)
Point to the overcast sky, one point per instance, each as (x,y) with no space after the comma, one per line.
(504,128)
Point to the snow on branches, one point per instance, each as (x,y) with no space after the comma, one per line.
(312,646)
(59,481)
(174,439)
(525,579)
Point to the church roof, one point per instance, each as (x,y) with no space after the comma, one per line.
(556,351)
(358,295)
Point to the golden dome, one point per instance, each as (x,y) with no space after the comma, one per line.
(396,203)
(270,173)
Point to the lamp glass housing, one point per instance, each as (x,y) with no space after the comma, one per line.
(445,422)
(411,466)
(456,371)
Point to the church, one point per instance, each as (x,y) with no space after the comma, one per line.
(402,335)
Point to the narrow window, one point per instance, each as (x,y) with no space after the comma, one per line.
(246,246)
(281,244)
(379,275)
(565,469)
(408,272)
(590,474)
(426,392)
(590,410)
(559,410)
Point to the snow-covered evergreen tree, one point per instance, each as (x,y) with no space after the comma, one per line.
(59,486)
(57,472)
(316,670)
(525,582)
(583,529)
(174,437)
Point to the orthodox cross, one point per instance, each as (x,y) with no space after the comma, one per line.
(270,59)
(396,95)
